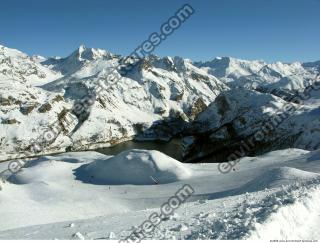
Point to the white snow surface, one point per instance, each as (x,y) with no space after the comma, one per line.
(141,167)
(275,196)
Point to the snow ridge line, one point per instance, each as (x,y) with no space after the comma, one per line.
(251,212)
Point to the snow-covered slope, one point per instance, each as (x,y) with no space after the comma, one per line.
(260,75)
(155,90)
(90,60)
(51,198)
(250,123)
(15,65)
(157,99)
(232,68)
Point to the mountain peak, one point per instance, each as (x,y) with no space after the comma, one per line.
(231,67)
(82,49)
(9,52)
(84,53)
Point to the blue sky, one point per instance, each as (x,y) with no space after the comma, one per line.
(284,30)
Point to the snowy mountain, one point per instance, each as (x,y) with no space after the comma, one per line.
(157,99)
(15,65)
(260,75)
(232,68)
(253,123)
(155,90)
(223,110)
(77,60)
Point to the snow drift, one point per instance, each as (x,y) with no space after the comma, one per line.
(138,167)
(299,220)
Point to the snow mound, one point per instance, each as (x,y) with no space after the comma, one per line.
(138,167)
(299,220)
(276,177)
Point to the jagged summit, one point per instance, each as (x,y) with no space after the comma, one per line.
(78,59)
(84,53)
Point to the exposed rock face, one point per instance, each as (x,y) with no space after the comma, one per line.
(197,108)
(27,109)
(10,121)
(45,108)
(243,123)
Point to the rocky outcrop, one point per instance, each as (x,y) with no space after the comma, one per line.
(247,123)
